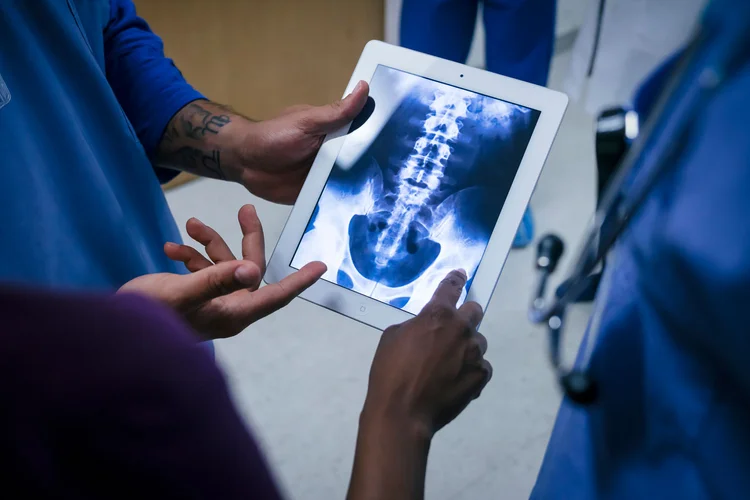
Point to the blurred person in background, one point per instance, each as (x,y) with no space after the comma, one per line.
(519,41)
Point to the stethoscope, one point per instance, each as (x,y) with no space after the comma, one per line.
(664,134)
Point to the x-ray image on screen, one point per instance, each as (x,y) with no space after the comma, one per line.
(417,188)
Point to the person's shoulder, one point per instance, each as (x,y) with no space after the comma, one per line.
(96,339)
(130,373)
(34,311)
(141,315)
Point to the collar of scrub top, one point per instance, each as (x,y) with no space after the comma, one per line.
(713,53)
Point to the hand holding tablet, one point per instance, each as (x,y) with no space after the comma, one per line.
(435,177)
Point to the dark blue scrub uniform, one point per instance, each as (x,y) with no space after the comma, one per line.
(86,95)
(673,355)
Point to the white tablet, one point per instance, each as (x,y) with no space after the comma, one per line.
(434,175)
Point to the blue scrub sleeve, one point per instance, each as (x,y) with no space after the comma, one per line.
(147,84)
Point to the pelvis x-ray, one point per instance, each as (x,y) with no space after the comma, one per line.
(417,188)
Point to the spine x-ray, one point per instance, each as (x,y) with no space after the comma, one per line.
(416,189)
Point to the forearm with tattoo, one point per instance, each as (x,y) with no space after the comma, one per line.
(204,138)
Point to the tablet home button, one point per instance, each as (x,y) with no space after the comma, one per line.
(362,309)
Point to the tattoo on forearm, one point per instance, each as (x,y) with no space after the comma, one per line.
(197,121)
(180,146)
(195,160)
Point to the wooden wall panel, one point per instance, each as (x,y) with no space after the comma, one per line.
(261,56)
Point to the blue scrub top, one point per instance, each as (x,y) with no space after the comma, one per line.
(89,94)
(673,356)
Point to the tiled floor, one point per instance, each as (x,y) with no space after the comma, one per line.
(300,376)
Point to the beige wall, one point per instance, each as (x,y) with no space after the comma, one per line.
(260,56)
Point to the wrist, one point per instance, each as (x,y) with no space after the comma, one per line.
(247,144)
(238,145)
(209,140)
(391,457)
(384,418)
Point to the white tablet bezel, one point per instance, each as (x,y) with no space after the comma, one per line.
(551,105)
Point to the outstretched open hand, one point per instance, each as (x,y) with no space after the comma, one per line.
(223,296)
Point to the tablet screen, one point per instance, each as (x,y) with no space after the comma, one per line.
(416,189)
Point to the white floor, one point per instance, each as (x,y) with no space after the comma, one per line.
(300,375)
